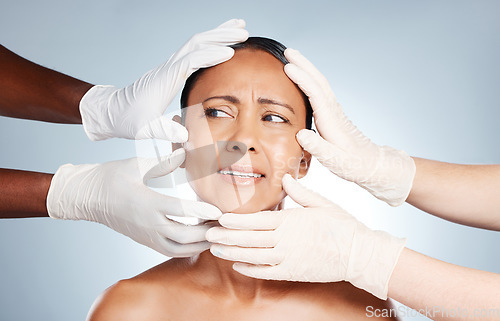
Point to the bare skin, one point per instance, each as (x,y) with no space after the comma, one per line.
(464,194)
(30,91)
(433,286)
(207,288)
(247,89)
(23,194)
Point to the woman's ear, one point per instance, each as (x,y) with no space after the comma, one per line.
(305,163)
(176,146)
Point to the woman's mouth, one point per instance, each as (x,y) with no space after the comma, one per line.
(241,175)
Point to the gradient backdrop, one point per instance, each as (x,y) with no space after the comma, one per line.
(422,76)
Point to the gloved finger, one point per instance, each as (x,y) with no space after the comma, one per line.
(242,238)
(265,220)
(153,168)
(163,128)
(177,73)
(233,23)
(329,117)
(296,58)
(328,154)
(266,256)
(228,33)
(303,195)
(174,249)
(322,101)
(264,272)
(182,233)
(204,58)
(169,205)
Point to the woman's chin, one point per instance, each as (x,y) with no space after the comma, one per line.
(247,208)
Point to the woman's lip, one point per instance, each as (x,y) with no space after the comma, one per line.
(242,175)
(245,169)
(240,180)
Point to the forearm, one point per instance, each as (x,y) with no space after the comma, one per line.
(440,289)
(465,194)
(23,194)
(30,91)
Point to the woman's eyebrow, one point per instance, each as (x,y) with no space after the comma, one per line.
(267,101)
(230,99)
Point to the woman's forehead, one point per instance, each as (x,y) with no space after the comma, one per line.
(249,72)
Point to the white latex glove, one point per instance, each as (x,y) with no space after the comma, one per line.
(115,195)
(318,243)
(385,172)
(136,111)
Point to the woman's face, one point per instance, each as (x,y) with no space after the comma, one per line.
(247,111)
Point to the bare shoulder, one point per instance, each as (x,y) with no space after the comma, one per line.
(343,299)
(143,297)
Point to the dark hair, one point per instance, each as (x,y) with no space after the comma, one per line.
(271,46)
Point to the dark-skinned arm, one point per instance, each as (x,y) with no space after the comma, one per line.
(30,91)
(23,193)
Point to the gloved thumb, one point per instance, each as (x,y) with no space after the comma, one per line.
(163,128)
(255,271)
(317,145)
(301,194)
(164,165)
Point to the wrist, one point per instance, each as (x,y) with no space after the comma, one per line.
(66,196)
(393,176)
(373,257)
(94,110)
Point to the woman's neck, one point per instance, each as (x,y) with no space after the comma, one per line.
(219,275)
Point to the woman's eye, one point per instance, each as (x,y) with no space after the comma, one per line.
(274,118)
(216,113)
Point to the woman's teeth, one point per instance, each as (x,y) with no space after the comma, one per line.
(240,174)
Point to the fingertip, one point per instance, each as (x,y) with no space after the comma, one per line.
(238,267)
(288,182)
(290,69)
(301,133)
(210,234)
(245,269)
(245,35)
(216,250)
(178,153)
(208,211)
(180,133)
(291,53)
(209,57)
(233,23)
(241,23)
(225,219)
(304,136)
(287,179)
(224,53)
(176,158)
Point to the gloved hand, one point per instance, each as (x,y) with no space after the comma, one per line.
(136,111)
(318,243)
(385,172)
(115,195)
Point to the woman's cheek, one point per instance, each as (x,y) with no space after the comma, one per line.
(284,156)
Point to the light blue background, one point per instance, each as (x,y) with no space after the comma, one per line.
(422,76)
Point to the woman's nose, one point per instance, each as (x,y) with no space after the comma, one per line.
(235,146)
(245,137)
